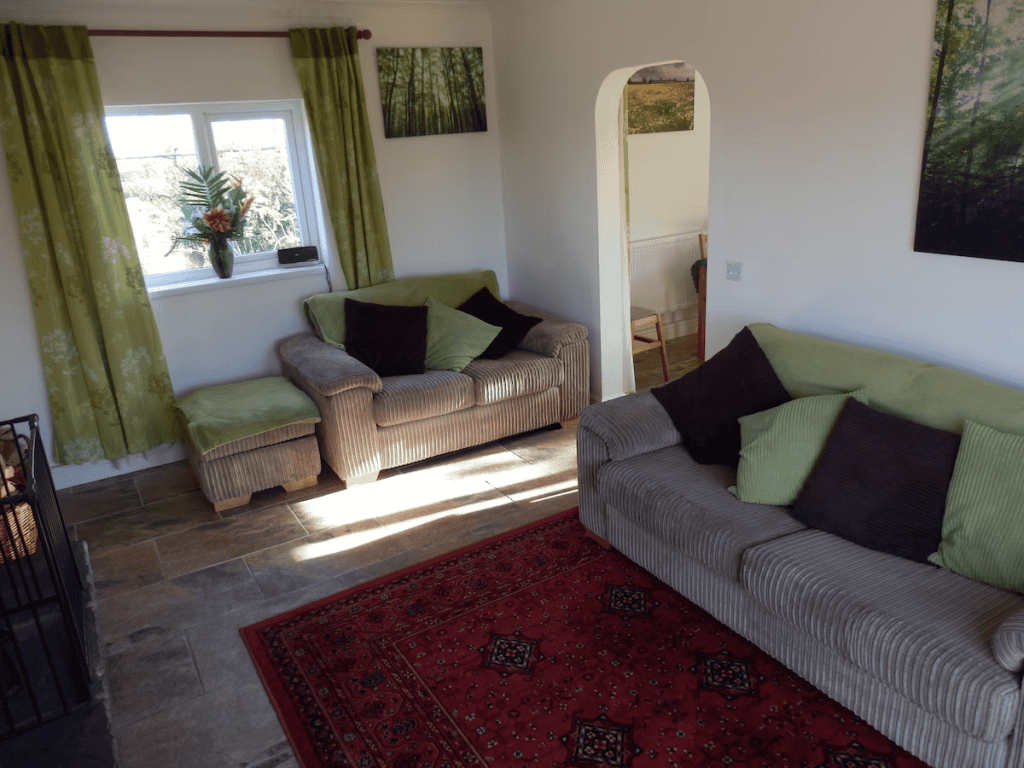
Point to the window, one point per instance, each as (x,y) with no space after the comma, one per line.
(262,143)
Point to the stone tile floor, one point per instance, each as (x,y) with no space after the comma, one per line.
(175,581)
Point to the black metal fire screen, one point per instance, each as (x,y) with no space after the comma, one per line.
(44,670)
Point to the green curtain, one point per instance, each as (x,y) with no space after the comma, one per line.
(327,62)
(109,390)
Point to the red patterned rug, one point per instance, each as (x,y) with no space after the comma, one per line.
(539,648)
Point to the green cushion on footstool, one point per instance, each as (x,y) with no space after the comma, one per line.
(249,436)
(228,412)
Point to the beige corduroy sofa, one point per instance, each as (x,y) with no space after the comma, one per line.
(370,423)
(932,659)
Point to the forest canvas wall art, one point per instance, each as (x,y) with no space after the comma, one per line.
(660,98)
(429,91)
(971,199)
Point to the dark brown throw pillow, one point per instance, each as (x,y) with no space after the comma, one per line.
(391,340)
(514,326)
(881,482)
(706,403)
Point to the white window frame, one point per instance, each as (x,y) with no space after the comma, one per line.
(299,156)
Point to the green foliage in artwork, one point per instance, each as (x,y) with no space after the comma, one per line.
(428,91)
(972,181)
(660,106)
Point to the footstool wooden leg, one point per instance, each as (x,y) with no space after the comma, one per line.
(307,482)
(237,501)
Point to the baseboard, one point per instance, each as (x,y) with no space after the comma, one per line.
(68,475)
(680,321)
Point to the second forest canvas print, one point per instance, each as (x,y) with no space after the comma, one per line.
(971,199)
(429,91)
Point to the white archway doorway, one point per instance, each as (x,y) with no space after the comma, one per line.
(616,375)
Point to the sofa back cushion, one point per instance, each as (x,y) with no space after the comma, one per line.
(940,397)
(326,311)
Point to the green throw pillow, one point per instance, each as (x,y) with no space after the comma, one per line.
(227,412)
(780,446)
(983,526)
(455,339)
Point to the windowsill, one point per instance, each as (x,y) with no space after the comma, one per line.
(237,280)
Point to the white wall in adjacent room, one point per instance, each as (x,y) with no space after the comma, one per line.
(668,207)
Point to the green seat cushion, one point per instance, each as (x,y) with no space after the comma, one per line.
(779,447)
(454,338)
(326,311)
(983,526)
(222,414)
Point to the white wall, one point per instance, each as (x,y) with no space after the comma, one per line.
(818,111)
(668,196)
(668,176)
(442,194)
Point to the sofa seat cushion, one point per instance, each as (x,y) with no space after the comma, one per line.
(420,396)
(687,505)
(925,632)
(516,374)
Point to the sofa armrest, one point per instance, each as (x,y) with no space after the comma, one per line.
(324,367)
(612,431)
(630,425)
(343,389)
(1008,642)
(566,342)
(551,334)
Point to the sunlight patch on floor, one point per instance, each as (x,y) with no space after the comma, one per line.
(385,497)
(333,546)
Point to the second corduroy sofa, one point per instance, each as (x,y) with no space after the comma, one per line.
(931,658)
(371,423)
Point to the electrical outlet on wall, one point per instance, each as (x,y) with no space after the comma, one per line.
(733,270)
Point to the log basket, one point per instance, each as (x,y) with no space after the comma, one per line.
(19,536)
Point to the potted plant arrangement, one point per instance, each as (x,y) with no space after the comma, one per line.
(214,206)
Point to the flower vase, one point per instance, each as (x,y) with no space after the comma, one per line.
(221,257)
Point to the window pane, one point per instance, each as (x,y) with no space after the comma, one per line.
(257,152)
(151,151)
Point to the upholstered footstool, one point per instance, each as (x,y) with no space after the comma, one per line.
(249,436)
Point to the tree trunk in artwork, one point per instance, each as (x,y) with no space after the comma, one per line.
(971,202)
(426,91)
(475,104)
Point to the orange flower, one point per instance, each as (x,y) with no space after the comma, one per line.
(217,219)
(245,206)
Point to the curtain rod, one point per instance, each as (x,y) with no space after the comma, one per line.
(362,34)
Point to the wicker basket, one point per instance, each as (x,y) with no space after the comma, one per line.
(22,524)
(18,533)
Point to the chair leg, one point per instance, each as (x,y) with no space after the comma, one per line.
(664,353)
